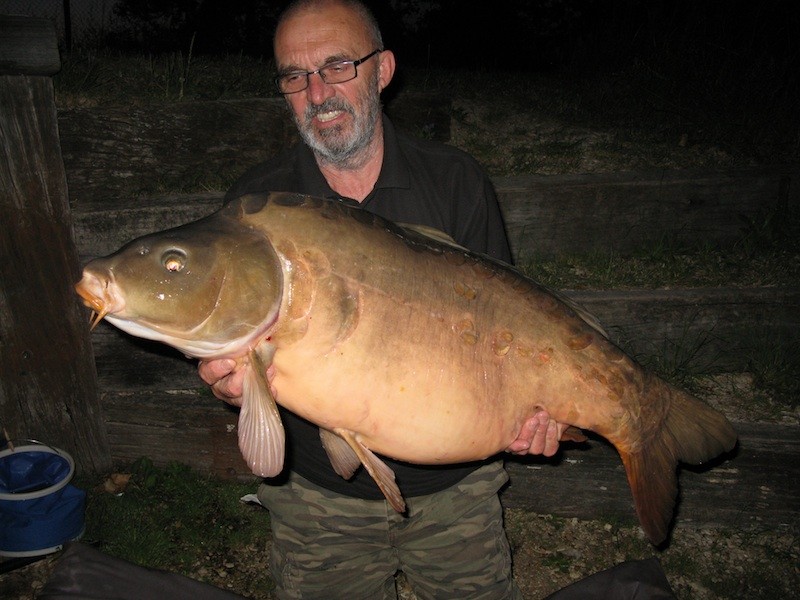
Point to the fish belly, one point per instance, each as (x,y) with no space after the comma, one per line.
(439,362)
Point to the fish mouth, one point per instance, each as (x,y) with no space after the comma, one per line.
(97,295)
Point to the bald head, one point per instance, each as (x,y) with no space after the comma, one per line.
(338,117)
(344,17)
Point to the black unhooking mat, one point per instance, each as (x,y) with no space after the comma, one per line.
(86,573)
(632,580)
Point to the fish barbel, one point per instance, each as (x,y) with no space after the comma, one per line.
(394,342)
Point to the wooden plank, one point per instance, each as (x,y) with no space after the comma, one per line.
(621,212)
(755,487)
(102,227)
(187,426)
(131,151)
(47,389)
(127,364)
(703,330)
(128,151)
(548,216)
(28,46)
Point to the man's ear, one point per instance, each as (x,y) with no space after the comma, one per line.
(386,68)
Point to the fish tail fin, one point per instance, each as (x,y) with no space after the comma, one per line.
(691,432)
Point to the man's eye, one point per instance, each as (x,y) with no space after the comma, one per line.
(292,77)
(336,68)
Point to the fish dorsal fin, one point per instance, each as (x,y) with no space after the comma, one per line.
(381,473)
(431,233)
(584,314)
(343,459)
(261,435)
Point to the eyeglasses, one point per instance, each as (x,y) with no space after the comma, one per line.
(336,72)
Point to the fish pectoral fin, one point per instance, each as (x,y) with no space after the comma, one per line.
(261,435)
(377,469)
(343,458)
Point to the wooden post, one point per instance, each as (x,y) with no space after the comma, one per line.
(48,385)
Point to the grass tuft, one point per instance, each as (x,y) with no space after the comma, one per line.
(173,518)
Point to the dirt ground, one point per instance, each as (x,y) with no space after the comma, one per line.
(550,553)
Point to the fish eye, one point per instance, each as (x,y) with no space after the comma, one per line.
(174,260)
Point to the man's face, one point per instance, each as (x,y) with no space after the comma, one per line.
(336,120)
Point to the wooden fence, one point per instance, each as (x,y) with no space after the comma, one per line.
(147,399)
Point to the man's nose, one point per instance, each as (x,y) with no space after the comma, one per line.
(318,91)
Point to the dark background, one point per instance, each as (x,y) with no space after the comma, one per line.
(534,35)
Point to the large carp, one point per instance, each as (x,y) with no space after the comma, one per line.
(393,342)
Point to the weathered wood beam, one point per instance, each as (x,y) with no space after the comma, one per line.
(754,487)
(551,215)
(134,151)
(48,389)
(700,330)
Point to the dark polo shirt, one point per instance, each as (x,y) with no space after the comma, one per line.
(421,182)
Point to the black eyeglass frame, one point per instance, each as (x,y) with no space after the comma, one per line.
(319,72)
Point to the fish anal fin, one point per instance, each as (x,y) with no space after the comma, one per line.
(261,435)
(343,458)
(573,434)
(377,469)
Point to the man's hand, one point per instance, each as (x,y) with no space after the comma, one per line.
(539,435)
(226,378)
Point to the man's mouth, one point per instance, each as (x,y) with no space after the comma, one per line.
(329,115)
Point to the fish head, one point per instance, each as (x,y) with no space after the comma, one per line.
(211,288)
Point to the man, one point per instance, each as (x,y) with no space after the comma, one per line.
(334,538)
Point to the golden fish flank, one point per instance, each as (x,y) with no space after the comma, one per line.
(353,313)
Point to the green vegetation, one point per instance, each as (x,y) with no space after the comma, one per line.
(176,519)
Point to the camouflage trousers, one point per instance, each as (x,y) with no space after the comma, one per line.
(451,545)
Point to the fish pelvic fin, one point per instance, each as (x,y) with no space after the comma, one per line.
(692,432)
(343,458)
(377,469)
(261,435)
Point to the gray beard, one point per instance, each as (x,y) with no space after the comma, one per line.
(332,146)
